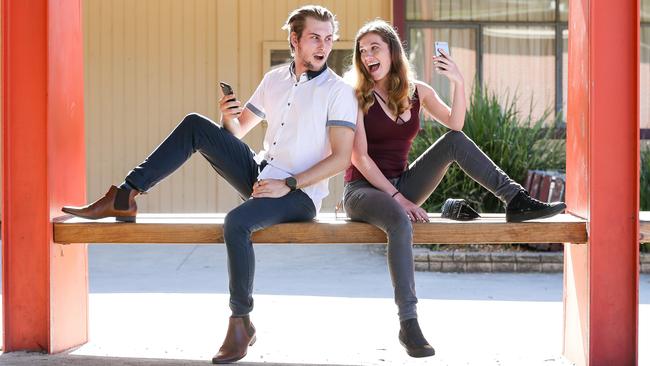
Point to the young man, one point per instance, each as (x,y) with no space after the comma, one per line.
(311,116)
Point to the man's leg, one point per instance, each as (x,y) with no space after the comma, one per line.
(229,156)
(240,223)
(253,215)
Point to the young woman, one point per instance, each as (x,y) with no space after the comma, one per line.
(382,189)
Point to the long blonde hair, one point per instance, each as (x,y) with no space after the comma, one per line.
(400,76)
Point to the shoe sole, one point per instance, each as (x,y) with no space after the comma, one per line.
(231,360)
(533,215)
(418,354)
(117,218)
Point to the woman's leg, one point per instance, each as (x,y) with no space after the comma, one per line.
(366,203)
(424,174)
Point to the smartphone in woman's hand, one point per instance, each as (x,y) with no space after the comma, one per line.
(441,45)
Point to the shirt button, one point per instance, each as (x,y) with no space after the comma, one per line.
(274,143)
(271,159)
(288,103)
(282,124)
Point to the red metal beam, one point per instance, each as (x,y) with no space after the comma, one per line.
(601,280)
(399,17)
(45,287)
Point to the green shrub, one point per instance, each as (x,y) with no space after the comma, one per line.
(644,187)
(645,179)
(514,143)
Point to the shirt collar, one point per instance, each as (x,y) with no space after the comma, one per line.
(310,74)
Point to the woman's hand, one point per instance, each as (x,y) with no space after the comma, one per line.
(446,66)
(415,212)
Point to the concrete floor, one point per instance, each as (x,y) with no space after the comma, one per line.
(315,305)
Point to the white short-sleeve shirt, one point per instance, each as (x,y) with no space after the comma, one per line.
(298,115)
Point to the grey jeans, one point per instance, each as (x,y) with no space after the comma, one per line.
(364,202)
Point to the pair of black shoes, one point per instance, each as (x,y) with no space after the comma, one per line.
(411,337)
(523,207)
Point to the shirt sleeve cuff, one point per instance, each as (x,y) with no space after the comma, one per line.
(255,110)
(338,123)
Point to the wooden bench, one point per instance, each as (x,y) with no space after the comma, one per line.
(208,229)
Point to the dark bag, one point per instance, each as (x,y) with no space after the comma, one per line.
(458,209)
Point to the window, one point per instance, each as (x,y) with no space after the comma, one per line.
(464,53)
(520,61)
(277,53)
(509,46)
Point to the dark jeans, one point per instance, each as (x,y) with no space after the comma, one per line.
(364,202)
(233,160)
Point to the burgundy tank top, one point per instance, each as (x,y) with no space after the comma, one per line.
(388,142)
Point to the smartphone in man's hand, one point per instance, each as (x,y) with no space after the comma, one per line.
(227,90)
(441,45)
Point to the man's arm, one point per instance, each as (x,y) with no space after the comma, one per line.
(341,141)
(237,121)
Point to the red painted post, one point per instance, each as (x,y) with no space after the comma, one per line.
(601,279)
(399,17)
(45,285)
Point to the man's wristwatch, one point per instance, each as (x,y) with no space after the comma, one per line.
(291,183)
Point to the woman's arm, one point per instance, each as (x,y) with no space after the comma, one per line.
(454,117)
(362,161)
(366,166)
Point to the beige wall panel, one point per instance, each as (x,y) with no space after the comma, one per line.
(150,62)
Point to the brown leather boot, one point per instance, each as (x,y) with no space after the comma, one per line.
(116,203)
(240,335)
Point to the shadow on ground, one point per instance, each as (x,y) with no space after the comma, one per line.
(309,270)
(31,358)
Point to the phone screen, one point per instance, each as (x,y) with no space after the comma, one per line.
(225,88)
(441,45)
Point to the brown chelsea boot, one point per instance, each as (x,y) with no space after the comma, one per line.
(118,203)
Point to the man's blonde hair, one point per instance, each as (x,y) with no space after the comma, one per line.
(296,21)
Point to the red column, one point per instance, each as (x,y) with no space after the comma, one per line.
(601,280)
(399,18)
(45,285)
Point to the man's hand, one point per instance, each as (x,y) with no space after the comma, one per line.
(270,188)
(229,110)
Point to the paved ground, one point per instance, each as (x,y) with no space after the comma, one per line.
(315,305)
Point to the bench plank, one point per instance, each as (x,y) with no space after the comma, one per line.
(208,229)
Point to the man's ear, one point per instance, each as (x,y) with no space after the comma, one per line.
(294,39)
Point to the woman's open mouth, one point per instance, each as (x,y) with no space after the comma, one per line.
(372,67)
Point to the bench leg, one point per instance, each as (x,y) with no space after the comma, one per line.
(45,285)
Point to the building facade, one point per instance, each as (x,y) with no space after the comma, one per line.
(150,62)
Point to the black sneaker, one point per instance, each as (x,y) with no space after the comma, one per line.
(410,336)
(523,207)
